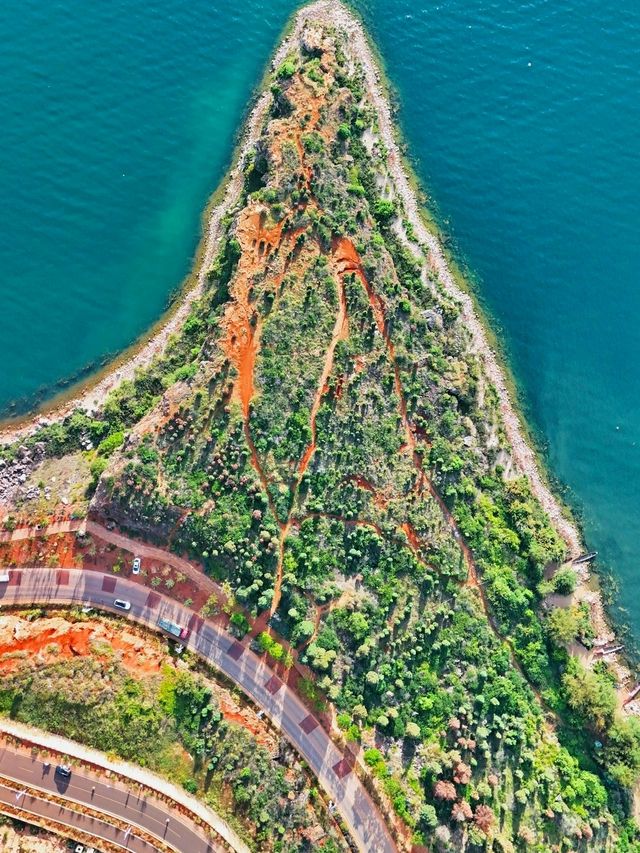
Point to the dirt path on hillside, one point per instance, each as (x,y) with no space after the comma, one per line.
(350,262)
(241,344)
(523,456)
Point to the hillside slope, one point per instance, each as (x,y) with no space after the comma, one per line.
(335,453)
(322,434)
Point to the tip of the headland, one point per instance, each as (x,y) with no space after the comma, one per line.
(328,8)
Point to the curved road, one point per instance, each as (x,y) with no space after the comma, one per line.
(59,818)
(236,661)
(88,789)
(111,800)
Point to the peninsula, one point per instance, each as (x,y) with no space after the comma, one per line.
(335,510)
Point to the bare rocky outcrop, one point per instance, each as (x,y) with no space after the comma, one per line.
(14,474)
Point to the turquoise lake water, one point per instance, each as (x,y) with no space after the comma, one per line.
(119,119)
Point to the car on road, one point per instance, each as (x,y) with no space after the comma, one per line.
(136,566)
(122,604)
(4,576)
(172,628)
(63,770)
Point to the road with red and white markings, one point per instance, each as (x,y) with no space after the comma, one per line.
(237,662)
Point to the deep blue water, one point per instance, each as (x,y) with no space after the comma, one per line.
(119,119)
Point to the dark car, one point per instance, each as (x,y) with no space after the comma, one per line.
(63,770)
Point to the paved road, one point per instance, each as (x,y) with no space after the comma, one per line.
(51,813)
(126,777)
(237,662)
(71,525)
(138,810)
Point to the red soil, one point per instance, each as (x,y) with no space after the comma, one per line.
(240,341)
(52,643)
(246,718)
(412,536)
(363,483)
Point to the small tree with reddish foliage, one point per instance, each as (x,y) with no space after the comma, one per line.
(462,773)
(527,834)
(484,818)
(461,811)
(445,791)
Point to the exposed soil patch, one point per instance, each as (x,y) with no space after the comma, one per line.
(32,643)
(30,840)
(240,341)
(52,639)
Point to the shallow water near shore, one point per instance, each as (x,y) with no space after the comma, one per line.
(119,121)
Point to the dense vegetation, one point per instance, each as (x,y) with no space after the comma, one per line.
(323,438)
(173,725)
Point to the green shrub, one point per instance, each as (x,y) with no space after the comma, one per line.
(239,623)
(564,581)
(286,70)
(384,210)
(111,443)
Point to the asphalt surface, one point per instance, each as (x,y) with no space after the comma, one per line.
(53,813)
(86,788)
(237,662)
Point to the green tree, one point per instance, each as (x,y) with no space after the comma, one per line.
(286,70)
(111,443)
(384,210)
(412,730)
(564,581)
(622,751)
(590,694)
(564,624)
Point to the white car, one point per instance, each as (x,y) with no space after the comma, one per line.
(123,605)
(136,566)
